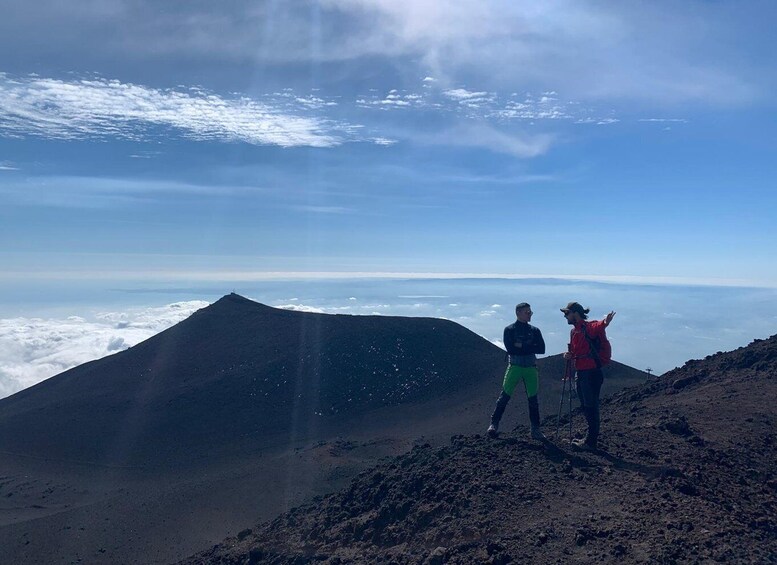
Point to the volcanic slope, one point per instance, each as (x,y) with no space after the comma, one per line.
(238,368)
(236,414)
(686,474)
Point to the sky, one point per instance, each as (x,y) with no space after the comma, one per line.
(170,144)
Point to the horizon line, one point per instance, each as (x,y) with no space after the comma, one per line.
(270,276)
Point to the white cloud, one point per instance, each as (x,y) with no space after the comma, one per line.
(301,308)
(334,309)
(7,166)
(483,106)
(314,102)
(540,108)
(616,51)
(698,50)
(462,94)
(98,107)
(487,137)
(34,349)
(664,120)
(393,100)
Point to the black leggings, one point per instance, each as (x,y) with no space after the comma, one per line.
(589,385)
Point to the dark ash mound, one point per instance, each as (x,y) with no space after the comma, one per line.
(238,368)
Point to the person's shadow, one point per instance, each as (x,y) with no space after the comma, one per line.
(579,460)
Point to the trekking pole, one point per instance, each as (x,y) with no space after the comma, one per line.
(561,402)
(569,374)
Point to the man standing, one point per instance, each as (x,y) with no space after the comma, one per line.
(523,342)
(588,350)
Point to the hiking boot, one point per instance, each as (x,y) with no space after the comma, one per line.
(537,434)
(491,431)
(583,445)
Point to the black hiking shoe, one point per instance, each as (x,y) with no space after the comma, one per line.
(491,432)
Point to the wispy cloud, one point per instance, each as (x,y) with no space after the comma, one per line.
(99,107)
(543,107)
(691,51)
(393,99)
(488,137)
(7,166)
(104,109)
(106,192)
(598,121)
(664,120)
(383,141)
(486,106)
(325,209)
(621,51)
(470,99)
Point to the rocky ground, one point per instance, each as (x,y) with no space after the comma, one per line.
(686,473)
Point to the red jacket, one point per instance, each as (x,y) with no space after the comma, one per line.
(578,344)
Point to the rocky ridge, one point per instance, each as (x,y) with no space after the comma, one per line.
(686,474)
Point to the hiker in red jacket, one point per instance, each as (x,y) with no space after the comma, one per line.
(588,350)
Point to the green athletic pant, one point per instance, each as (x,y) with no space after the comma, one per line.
(528,375)
(530,378)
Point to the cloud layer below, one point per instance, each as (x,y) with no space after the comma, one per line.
(33,349)
(655,326)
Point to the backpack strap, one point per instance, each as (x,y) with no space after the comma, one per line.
(594,350)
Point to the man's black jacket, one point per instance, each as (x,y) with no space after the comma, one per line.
(521,338)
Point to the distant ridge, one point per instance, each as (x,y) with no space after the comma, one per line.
(236,368)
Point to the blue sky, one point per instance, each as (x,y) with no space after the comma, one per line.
(196,144)
(572,138)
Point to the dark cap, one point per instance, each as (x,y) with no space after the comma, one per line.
(522,305)
(575,307)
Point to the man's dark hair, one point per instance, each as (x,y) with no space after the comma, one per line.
(521,306)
